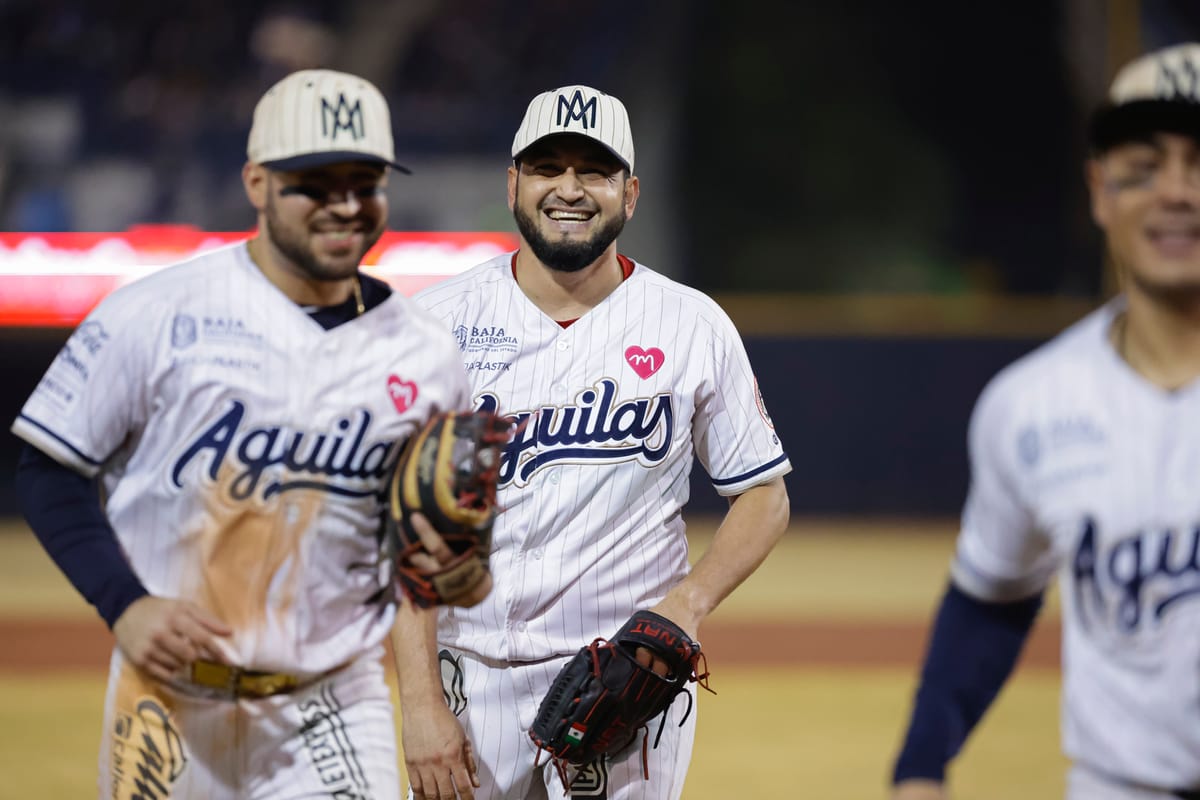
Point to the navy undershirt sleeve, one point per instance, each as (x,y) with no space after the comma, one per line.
(63,509)
(972,651)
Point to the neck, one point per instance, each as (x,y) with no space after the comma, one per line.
(1161,341)
(295,284)
(568,295)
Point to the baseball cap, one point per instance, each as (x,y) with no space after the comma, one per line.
(579,110)
(318,116)
(1159,91)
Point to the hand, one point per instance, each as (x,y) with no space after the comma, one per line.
(161,635)
(439,553)
(919,789)
(437,754)
(673,609)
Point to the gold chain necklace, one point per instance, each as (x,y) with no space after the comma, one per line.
(1122,323)
(358,299)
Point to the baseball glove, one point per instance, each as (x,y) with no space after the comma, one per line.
(447,472)
(603,697)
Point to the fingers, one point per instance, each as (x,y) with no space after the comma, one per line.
(201,631)
(162,655)
(652,662)
(434,560)
(208,620)
(424,563)
(463,775)
(439,759)
(434,544)
(161,665)
(432,784)
(162,636)
(472,765)
(171,648)
(416,786)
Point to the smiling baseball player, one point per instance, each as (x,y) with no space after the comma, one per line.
(1085,459)
(620,378)
(239,414)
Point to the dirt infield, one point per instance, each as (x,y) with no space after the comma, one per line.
(60,645)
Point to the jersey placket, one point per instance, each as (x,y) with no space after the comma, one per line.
(529,557)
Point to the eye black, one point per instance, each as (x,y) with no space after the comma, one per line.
(314,193)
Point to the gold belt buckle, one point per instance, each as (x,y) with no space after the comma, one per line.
(265,684)
(239,682)
(215,676)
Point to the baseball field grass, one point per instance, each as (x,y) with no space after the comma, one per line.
(813,659)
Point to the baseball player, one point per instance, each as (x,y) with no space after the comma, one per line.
(205,460)
(620,377)
(1084,464)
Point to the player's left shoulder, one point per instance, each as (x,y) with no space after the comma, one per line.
(674,297)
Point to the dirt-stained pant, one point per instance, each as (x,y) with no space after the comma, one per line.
(334,738)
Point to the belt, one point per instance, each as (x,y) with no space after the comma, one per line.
(1187,794)
(240,682)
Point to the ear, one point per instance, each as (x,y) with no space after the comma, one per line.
(1101,198)
(633,190)
(254,180)
(512,187)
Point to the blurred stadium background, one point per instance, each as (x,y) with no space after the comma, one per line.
(886,197)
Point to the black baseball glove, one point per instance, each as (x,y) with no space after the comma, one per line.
(447,472)
(603,697)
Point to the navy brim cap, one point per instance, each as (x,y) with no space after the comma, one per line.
(1114,125)
(310,160)
(564,134)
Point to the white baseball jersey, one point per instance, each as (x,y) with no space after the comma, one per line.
(242,447)
(615,406)
(1080,465)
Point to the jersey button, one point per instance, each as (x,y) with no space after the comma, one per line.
(553,477)
(537,554)
(563,344)
(521,627)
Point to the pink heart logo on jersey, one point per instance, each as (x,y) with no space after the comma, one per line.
(644,362)
(403,393)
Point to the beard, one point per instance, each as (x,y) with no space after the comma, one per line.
(296,247)
(567,256)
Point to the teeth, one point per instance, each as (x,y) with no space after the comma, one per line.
(571,216)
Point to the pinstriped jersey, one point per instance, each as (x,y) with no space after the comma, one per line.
(1081,467)
(243,448)
(615,408)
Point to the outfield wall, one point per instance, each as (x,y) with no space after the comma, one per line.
(874,424)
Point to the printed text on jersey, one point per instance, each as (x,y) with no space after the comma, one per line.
(298,452)
(1149,571)
(593,429)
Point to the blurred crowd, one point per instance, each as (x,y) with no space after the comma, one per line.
(137,112)
(859,146)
